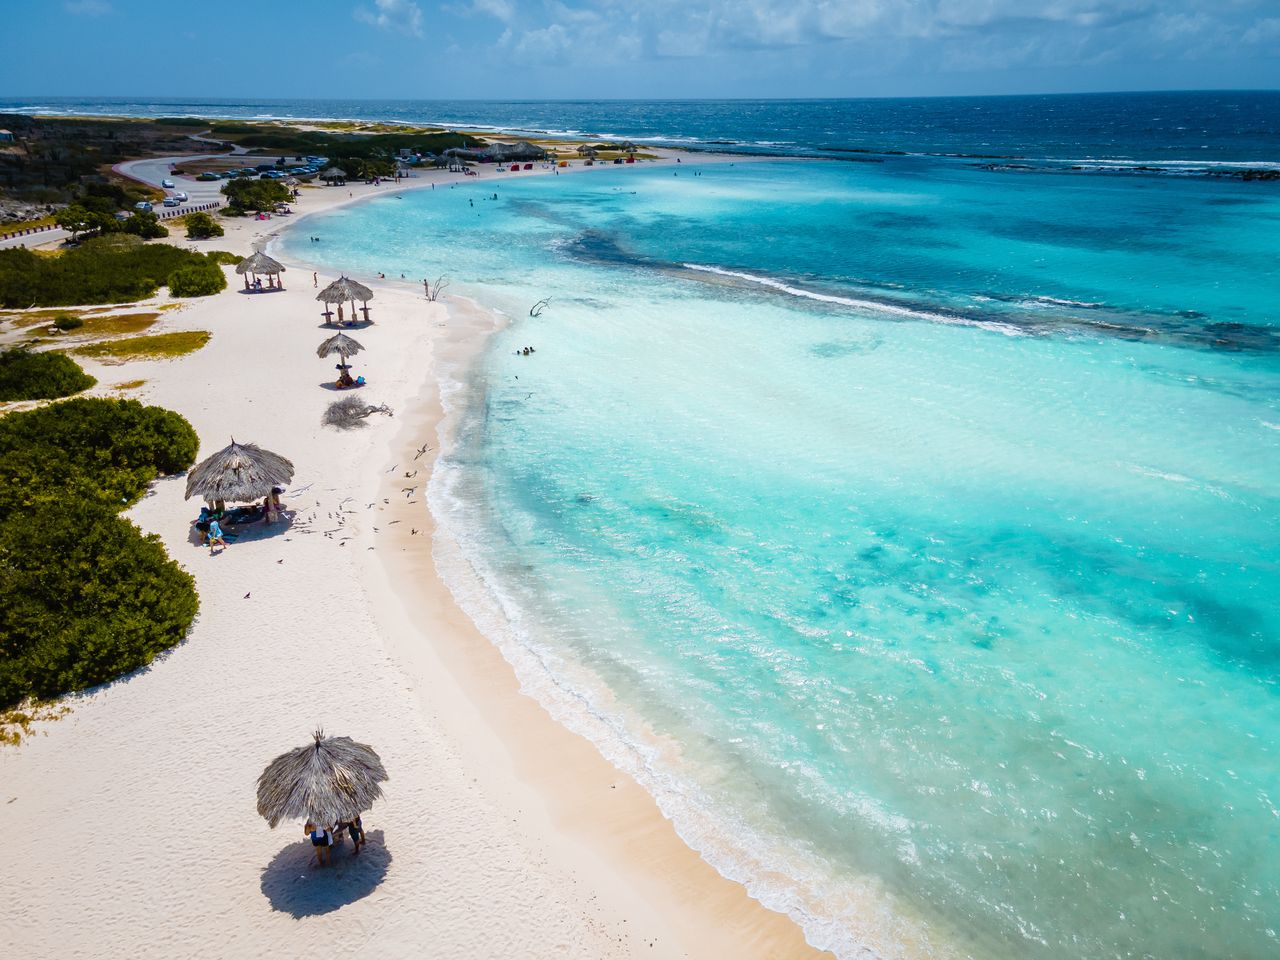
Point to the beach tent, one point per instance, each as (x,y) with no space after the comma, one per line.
(345,290)
(331,779)
(334,176)
(260,263)
(239,473)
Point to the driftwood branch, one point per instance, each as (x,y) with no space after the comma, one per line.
(349,413)
(537,308)
(433,290)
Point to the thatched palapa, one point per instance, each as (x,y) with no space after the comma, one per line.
(239,473)
(345,290)
(339,344)
(259,263)
(329,780)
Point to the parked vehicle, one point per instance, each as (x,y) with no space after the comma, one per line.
(143,205)
(166,183)
(180,197)
(172,202)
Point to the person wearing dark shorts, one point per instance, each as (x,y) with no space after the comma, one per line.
(322,840)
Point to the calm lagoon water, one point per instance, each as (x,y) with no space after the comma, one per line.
(912,530)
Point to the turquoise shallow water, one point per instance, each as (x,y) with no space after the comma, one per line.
(911,530)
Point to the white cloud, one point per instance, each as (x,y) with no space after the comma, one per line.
(503,10)
(393,15)
(88,8)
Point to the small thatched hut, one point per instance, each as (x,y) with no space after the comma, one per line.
(260,264)
(586,150)
(239,473)
(345,290)
(334,176)
(329,780)
(341,345)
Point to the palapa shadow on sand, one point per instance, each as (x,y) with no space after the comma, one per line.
(251,531)
(293,884)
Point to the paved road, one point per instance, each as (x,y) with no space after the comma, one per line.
(150,171)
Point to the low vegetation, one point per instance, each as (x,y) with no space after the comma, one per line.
(201,226)
(244,194)
(113,269)
(223,258)
(88,597)
(40,376)
(198,280)
(159,346)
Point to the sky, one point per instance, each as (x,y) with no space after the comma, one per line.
(603,49)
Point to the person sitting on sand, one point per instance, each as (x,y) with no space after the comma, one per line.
(216,537)
(322,840)
(202,524)
(344,379)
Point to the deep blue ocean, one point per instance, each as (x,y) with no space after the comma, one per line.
(909,527)
(1186,130)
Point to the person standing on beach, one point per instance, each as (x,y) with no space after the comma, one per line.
(216,537)
(322,840)
(315,280)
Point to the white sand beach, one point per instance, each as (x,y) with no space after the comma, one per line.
(129,823)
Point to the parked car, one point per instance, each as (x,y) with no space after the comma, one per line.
(143,205)
(207,177)
(166,183)
(172,202)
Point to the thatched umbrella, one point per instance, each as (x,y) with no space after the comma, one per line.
(259,263)
(340,344)
(241,473)
(334,175)
(345,290)
(329,780)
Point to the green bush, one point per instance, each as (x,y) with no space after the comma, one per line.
(40,376)
(199,280)
(223,258)
(246,194)
(68,321)
(117,268)
(145,225)
(87,596)
(201,226)
(106,451)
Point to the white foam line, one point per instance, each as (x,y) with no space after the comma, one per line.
(1004,328)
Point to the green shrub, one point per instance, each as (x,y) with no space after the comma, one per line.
(223,258)
(145,225)
(116,268)
(198,280)
(101,450)
(201,226)
(249,194)
(87,597)
(40,376)
(68,321)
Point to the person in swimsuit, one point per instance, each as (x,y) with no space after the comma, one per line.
(216,537)
(322,840)
(355,829)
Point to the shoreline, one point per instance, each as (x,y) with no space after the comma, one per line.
(500,829)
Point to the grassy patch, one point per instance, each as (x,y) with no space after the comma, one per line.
(128,385)
(15,226)
(35,318)
(160,346)
(119,324)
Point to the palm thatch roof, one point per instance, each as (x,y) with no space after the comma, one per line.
(334,173)
(259,262)
(329,780)
(238,473)
(340,344)
(344,289)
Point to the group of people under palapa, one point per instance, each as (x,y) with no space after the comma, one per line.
(212,516)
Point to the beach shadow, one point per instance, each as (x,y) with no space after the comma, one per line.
(294,885)
(346,324)
(334,388)
(248,532)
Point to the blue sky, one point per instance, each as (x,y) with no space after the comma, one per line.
(510,49)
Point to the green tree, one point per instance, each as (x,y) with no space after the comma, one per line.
(201,226)
(247,194)
(146,225)
(40,376)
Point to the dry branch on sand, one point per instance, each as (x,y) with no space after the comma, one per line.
(350,413)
